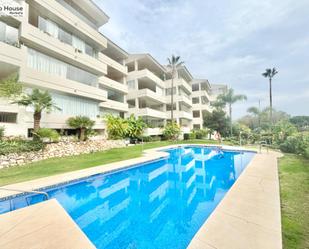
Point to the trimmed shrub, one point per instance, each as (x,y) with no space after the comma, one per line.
(1,132)
(201,133)
(297,144)
(83,124)
(171,131)
(147,139)
(18,146)
(50,134)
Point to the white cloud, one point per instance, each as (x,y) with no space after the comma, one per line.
(224,41)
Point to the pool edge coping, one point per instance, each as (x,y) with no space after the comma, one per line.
(53,181)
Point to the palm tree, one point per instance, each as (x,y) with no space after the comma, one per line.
(81,123)
(270,73)
(230,98)
(256,112)
(40,101)
(173,65)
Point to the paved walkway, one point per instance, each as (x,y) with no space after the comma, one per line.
(42,226)
(249,216)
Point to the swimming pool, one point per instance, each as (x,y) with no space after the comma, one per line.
(160,204)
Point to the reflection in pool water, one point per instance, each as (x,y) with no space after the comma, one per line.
(161,204)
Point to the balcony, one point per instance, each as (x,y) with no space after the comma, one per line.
(10,54)
(58,11)
(152,131)
(198,120)
(185,129)
(51,45)
(180,114)
(146,94)
(112,63)
(109,83)
(43,80)
(115,105)
(148,112)
(146,74)
(201,93)
(179,82)
(180,98)
(201,107)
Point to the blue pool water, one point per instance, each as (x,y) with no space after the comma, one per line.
(161,204)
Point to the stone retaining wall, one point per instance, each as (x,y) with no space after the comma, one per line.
(61,149)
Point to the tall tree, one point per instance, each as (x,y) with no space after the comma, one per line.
(229,98)
(174,64)
(256,112)
(40,101)
(270,73)
(217,121)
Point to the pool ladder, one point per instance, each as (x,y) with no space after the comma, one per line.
(28,191)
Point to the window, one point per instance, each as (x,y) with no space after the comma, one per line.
(52,29)
(169,91)
(47,64)
(65,37)
(113,95)
(204,87)
(195,87)
(196,114)
(204,100)
(196,126)
(169,107)
(8,34)
(75,106)
(195,100)
(8,117)
(131,84)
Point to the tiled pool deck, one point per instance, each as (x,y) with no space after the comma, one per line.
(248,216)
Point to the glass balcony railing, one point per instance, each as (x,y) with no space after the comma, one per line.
(9,34)
(52,66)
(53,29)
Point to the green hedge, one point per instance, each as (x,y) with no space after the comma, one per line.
(17,146)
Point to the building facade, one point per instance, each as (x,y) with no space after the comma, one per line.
(146,96)
(56,46)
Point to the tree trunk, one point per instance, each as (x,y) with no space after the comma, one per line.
(231,126)
(172,98)
(82,135)
(36,124)
(270,102)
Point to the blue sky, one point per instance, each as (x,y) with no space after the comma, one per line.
(227,41)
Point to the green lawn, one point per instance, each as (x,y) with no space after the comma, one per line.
(294,188)
(55,166)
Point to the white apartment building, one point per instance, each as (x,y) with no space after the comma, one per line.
(146,97)
(201,99)
(203,94)
(182,107)
(56,46)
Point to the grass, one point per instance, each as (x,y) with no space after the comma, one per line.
(294,191)
(55,166)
